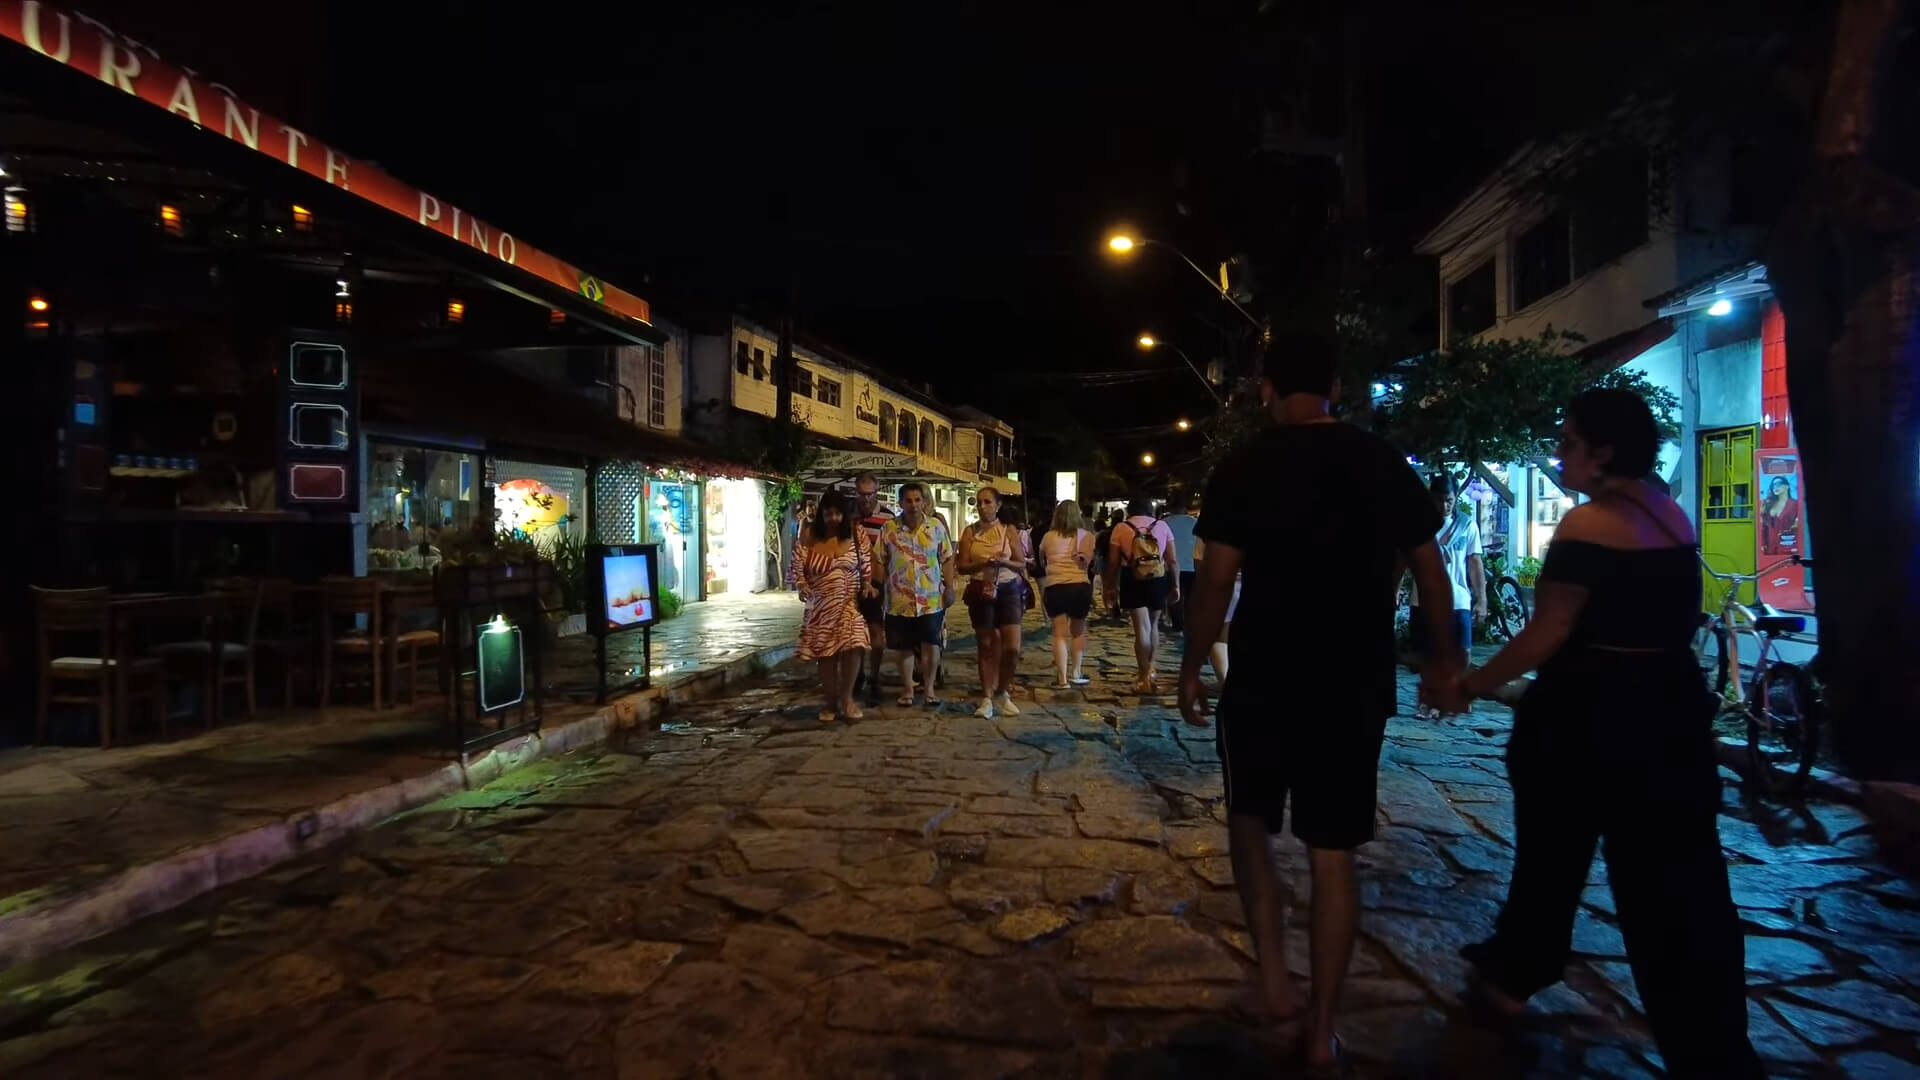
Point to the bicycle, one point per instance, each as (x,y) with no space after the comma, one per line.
(1778,702)
(1507,612)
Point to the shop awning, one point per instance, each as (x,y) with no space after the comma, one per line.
(467,397)
(1624,348)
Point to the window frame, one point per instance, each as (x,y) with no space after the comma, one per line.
(1493,297)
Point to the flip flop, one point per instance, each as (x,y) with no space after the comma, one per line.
(905,701)
(853,713)
(826,716)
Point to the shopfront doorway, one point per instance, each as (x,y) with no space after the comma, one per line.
(672,516)
(1727,524)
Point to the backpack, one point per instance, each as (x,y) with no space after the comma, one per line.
(1147,561)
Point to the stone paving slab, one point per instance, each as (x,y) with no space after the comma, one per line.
(923,893)
(91,839)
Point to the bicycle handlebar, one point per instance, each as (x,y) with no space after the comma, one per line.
(1755,576)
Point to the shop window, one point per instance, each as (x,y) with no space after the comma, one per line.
(656,387)
(1470,302)
(802,380)
(759,365)
(544,502)
(827,391)
(906,430)
(886,423)
(926,437)
(742,363)
(943,444)
(1542,260)
(414,497)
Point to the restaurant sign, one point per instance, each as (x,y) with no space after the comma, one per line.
(91,48)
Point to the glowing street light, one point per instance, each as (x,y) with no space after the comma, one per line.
(1146,458)
(1183,424)
(1123,242)
(1149,342)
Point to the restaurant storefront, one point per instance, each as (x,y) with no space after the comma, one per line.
(249,355)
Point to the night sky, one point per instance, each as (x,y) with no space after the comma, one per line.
(932,182)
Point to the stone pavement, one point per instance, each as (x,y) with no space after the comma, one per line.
(750,893)
(75,820)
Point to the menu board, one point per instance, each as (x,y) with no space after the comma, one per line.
(627,587)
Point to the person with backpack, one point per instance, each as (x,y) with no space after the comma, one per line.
(1140,558)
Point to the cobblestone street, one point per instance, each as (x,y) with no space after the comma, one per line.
(749,893)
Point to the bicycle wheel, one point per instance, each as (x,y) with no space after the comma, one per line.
(1509,607)
(1783,728)
(1710,649)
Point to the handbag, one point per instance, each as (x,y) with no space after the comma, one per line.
(983,590)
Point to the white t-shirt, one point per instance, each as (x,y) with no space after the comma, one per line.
(1458,539)
(1060,551)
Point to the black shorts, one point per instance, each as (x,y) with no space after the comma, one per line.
(1150,593)
(1005,609)
(873,609)
(910,631)
(1273,744)
(1422,636)
(1073,601)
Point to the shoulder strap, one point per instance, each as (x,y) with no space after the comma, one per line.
(1655,518)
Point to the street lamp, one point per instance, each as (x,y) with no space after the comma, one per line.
(1183,424)
(1123,242)
(1149,342)
(1146,458)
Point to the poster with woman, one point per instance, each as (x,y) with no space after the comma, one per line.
(1782,531)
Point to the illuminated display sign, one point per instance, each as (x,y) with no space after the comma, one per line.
(90,48)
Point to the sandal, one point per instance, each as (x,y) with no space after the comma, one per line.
(905,701)
(852,712)
(827,716)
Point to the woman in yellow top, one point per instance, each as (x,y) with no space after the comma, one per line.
(990,551)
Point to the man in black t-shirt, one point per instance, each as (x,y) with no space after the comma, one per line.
(1305,713)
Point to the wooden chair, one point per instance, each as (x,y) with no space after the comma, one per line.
(411,642)
(81,617)
(224,654)
(343,601)
(288,634)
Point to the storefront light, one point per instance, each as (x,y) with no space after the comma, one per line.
(170,221)
(1720,307)
(456,312)
(38,303)
(302,218)
(18,220)
(340,288)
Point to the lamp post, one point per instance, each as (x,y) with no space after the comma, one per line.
(1149,342)
(1147,459)
(1124,243)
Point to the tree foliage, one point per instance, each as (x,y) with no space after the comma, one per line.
(1498,401)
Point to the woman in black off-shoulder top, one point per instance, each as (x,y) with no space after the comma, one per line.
(1612,744)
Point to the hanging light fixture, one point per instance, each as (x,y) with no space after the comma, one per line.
(18,220)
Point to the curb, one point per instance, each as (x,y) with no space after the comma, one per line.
(151,888)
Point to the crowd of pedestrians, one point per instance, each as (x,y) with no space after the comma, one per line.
(1611,745)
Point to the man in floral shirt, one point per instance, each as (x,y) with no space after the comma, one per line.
(914,562)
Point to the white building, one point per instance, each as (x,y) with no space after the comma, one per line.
(865,420)
(1651,260)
